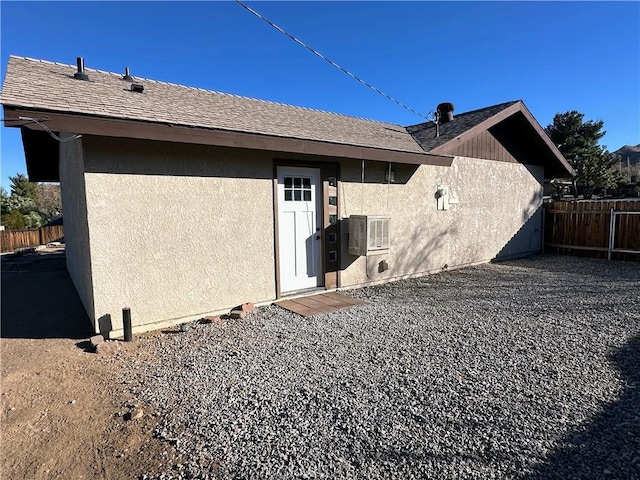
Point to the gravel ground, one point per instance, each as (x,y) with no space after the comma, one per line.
(526,369)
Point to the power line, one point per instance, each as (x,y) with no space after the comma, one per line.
(48,130)
(330,62)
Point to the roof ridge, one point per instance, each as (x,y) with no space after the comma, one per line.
(171,84)
(509,103)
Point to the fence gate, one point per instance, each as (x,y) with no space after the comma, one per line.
(602,229)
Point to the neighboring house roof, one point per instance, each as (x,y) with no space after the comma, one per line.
(55,220)
(105,105)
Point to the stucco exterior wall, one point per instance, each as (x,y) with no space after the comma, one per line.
(498,215)
(177,231)
(180,231)
(76,230)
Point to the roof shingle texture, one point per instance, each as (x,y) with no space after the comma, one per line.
(50,86)
(425,133)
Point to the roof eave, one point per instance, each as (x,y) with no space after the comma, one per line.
(124,128)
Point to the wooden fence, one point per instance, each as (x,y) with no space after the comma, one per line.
(14,239)
(593,228)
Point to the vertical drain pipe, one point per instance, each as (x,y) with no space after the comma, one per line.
(126,322)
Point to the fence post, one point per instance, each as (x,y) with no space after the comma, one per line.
(612,233)
(544,216)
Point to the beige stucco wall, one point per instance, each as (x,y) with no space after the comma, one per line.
(180,231)
(177,231)
(498,215)
(76,231)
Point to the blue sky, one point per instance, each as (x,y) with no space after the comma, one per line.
(556,56)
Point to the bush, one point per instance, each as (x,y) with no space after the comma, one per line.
(14,220)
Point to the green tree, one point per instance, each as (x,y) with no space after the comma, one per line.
(4,201)
(22,187)
(13,220)
(34,203)
(578,141)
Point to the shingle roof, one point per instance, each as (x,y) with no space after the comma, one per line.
(425,133)
(50,86)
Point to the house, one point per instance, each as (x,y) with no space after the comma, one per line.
(181,202)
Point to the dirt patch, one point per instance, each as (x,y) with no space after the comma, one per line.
(66,412)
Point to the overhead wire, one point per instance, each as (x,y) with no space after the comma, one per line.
(331,62)
(48,130)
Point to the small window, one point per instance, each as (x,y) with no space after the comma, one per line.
(333,238)
(297,189)
(333,200)
(333,219)
(333,256)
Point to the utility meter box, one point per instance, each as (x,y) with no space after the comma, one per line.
(369,234)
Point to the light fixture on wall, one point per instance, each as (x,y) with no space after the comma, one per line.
(442,196)
(389,175)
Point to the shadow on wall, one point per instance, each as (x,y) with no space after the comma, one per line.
(611,442)
(402,261)
(39,299)
(528,239)
(139,157)
(376,172)
(156,158)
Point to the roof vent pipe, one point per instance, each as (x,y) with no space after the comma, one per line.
(80,75)
(127,76)
(446,112)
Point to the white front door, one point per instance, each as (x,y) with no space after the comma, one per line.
(299,228)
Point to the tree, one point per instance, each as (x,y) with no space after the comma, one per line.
(30,204)
(48,200)
(22,187)
(578,140)
(13,220)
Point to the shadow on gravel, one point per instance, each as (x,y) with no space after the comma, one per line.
(570,265)
(608,447)
(39,299)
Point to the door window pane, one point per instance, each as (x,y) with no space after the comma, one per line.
(297,189)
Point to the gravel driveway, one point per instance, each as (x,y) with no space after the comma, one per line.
(526,369)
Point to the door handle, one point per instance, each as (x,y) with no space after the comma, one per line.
(317,237)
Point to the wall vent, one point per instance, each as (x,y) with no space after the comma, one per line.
(369,234)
